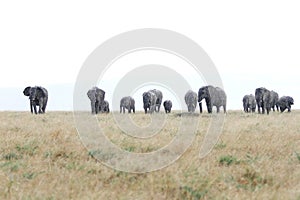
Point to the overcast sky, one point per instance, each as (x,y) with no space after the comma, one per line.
(252,43)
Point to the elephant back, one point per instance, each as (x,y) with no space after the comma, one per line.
(158,95)
(246,99)
(220,97)
(252,100)
(190,97)
(41,92)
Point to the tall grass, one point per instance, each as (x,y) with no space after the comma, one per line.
(256,157)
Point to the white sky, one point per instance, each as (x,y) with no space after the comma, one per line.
(252,43)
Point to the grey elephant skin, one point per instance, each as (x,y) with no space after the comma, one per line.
(285,102)
(190,99)
(263,99)
(96,97)
(214,96)
(159,97)
(249,103)
(149,101)
(104,107)
(168,106)
(127,103)
(38,96)
(274,99)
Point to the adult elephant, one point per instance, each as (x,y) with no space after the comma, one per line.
(249,103)
(263,99)
(168,106)
(214,96)
(274,99)
(104,107)
(285,102)
(190,99)
(127,103)
(149,100)
(96,97)
(159,97)
(38,96)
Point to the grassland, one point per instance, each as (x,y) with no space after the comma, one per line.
(256,157)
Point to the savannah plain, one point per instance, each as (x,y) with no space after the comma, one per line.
(256,157)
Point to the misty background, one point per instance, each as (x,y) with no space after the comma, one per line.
(252,45)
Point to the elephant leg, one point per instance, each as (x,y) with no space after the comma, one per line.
(145,110)
(277,107)
(209,109)
(34,107)
(200,107)
(40,108)
(129,110)
(133,109)
(258,108)
(289,108)
(152,108)
(31,107)
(218,109)
(45,105)
(98,107)
(263,109)
(41,103)
(158,108)
(93,107)
(224,108)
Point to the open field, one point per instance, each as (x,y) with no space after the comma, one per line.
(257,157)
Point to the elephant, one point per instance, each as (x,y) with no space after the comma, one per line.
(274,99)
(104,107)
(168,106)
(249,103)
(214,96)
(38,96)
(263,99)
(285,102)
(96,97)
(127,103)
(190,99)
(159,97)
(149,100)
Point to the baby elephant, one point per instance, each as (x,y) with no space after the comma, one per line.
(191,100)
(128,103)
(249,103)
(104,107)
(168,106)
(285,102)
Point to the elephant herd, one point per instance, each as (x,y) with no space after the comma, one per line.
(264,99)
(152,100)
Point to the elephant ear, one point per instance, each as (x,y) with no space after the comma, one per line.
(146,94)
(26,91)
(101,93)
(91,94)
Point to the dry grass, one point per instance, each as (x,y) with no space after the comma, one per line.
(256,157)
